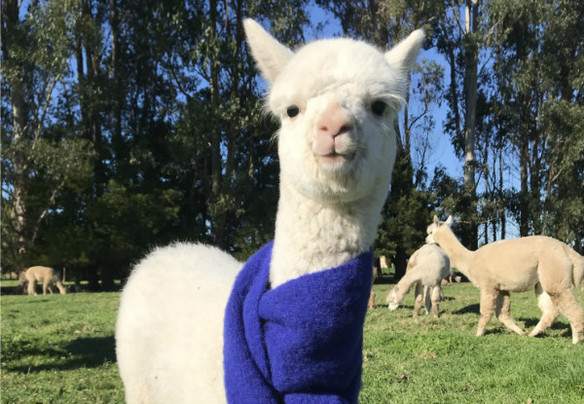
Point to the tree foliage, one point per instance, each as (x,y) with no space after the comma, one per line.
(540,106)
(128,124)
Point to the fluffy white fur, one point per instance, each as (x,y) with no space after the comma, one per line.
(336,157)
(169,332)
(426,269)
(329,209)
(539,263)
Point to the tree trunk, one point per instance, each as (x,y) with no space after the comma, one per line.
(218,214)
(10,35)
(19,167)
(524,188)
(535,181)
(400,262)
(117,74)
(89,73)
(502,196)
(470,88)
(453,89)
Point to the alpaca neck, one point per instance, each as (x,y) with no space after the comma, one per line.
(460,256)
(311,236)
(405,284)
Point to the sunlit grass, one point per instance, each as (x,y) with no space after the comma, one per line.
(60,349)
(425,360)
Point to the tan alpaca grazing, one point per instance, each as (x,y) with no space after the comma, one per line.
(544,264)
(46,275)
(426,269)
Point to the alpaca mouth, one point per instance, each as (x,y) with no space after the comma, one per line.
(334,160)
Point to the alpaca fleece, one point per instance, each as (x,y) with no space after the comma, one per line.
(300,342)
(548,266)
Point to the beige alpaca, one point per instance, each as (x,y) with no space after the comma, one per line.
(426,269)
(45,275)
(578,266)
(536,262)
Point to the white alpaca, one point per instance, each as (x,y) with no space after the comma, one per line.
(542,263)
(337,101)
(426,269)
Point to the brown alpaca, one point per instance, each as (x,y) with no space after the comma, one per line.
(536,262)
(45,275)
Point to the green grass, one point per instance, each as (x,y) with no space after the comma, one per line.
(425,360)
(60,349)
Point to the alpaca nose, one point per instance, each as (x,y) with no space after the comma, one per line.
(333,122)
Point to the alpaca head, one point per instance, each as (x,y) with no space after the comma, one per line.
(22,278)
(436,228)
(392,299)
(337,101)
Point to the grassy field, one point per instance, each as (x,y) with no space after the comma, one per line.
(60,349)
(411,360)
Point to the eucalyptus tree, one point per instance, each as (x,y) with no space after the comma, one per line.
(461,35)
(42,155)
(538,60)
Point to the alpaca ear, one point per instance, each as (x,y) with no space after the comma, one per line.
(271,56)
(436,221)
(448,221)
(403,55)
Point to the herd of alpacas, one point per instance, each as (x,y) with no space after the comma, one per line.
(287,325)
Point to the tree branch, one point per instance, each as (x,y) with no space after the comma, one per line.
(45,108)
(50,203)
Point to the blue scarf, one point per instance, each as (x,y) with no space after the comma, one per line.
(300,343)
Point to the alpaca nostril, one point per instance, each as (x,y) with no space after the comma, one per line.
(334,129)
(333,122)
(343,129)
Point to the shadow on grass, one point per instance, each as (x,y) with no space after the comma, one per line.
(557,325)
(473,308)
(79,353)
(94,351)
(10,290)
(527,324)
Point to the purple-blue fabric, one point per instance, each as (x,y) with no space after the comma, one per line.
(300,343)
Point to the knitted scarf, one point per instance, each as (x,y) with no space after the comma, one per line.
(300,343)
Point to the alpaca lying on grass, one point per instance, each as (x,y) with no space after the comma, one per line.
(47,276)
(426,269)
(542,263)
(274,328)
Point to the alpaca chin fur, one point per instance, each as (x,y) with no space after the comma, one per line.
(169,332)
(539,263)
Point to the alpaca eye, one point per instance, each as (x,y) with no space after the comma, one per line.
(378,107)
(292,111)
